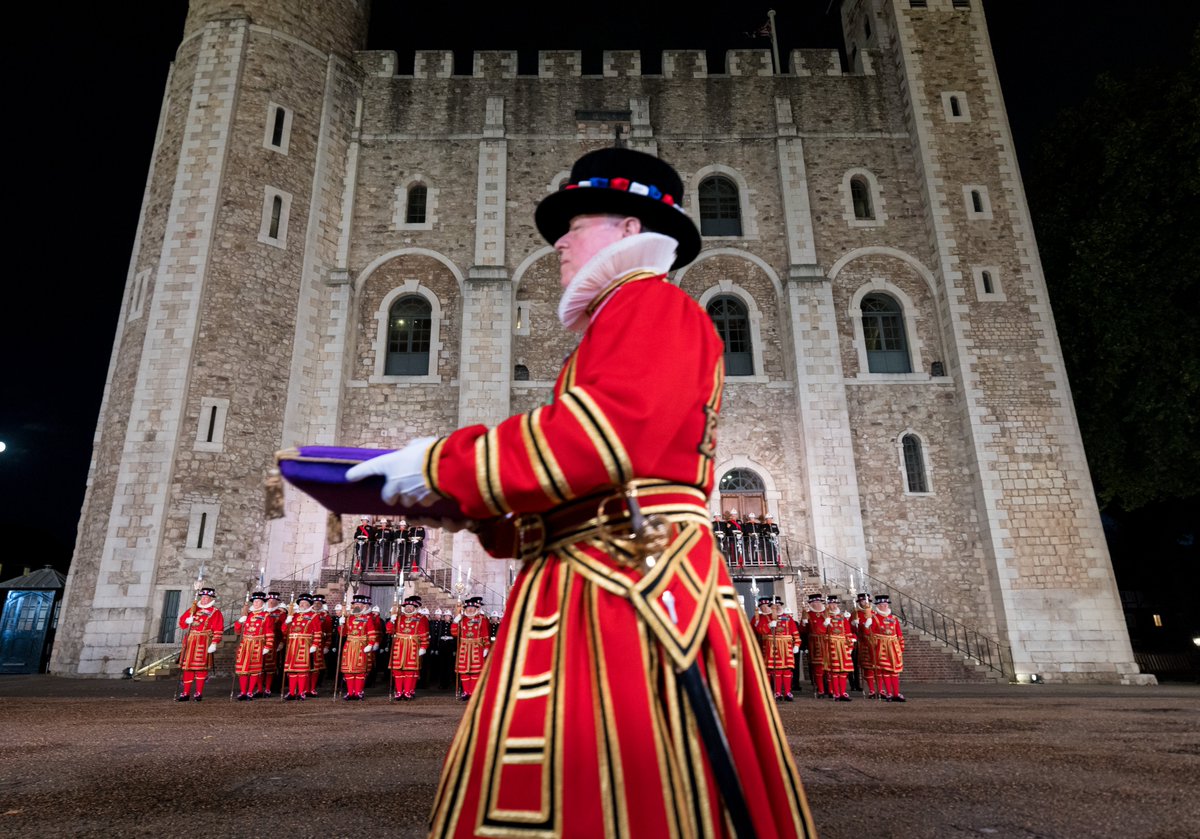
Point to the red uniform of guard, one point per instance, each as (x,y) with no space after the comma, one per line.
(780,634)
(839,647)
(410,640)
(303,629)
(862,620)
(577,711)
(359,639)
(257,629)
(887,636)
(474,636)
(204,625)
(815,630)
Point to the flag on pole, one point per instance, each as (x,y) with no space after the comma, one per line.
(763,31)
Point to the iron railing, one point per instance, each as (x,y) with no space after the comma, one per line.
(838,574)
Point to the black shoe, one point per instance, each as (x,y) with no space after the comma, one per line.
(899,698)
(789,698)
(197,698)
(241,697)
(844,698)
(818,695)
(183,697)
(289,697)
(465,697)
(349,697)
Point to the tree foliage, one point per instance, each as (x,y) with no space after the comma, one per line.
(1115,196)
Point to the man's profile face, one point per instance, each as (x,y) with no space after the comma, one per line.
(587,236)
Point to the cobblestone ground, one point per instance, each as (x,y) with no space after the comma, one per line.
(118,758)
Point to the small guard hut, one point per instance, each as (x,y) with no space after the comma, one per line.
(28,620)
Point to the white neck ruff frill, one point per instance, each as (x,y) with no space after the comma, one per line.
(641,252)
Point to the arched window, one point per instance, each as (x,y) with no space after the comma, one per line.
(860,195)
(733,325)
(720,209)
(521,373)
(414,212)
(409,327)
(741,480)
(883,333)
(914,464)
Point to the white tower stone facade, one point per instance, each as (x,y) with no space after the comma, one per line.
(896,384)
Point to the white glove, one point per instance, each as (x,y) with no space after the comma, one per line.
(867,623)
(313,648)
(342,621)
(189,620)
(771,625)
(403,473)
(485,652)
(457,618)
(242,619)
(420,652)
(795,649)
(212,648)
(289,619)
(827,621)
(266,650)
(327,651)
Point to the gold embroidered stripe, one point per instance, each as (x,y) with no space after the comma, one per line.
(604,439)
(482,478)
(599,299)
(430,470)
(712,409)
(549,474)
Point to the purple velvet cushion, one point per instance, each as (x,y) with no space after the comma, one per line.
(320,471)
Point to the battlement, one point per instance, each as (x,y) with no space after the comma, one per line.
(568,64)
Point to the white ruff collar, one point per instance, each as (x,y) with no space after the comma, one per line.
(640,252)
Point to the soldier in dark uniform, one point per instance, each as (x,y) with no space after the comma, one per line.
(752,534)
(770,540)
(734,539)
(387,540)
(416,541)
(718,527)
(362,544)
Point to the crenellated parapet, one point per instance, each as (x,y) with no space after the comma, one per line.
(685,64)
(495,64)
(749,63)
(816,63)
(377,62)
(619,63)
(559,64)
(433,64)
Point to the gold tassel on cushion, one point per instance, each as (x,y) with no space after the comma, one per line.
(273,495)
(333,529)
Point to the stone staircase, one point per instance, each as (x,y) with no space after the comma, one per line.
(927,659)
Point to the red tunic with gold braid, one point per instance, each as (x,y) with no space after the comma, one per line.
(258,635)
(303,633)
(577,726)
(410,635)
(205,629)
(474,636)
(888,640)
(862,621)
(778,642)
(839,644)
(357,632)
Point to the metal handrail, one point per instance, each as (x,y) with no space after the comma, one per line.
(837,573)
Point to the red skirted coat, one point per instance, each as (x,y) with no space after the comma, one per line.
(778,641)
(474,636)
(578,726)
(410,635)
(839,644)
(814,630)
(258,634)
(303,633)
(887,638)
(862,621)
(205,629)
(358,631)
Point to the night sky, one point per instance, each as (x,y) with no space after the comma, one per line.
(84,94)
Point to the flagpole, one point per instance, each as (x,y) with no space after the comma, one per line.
(774,42)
